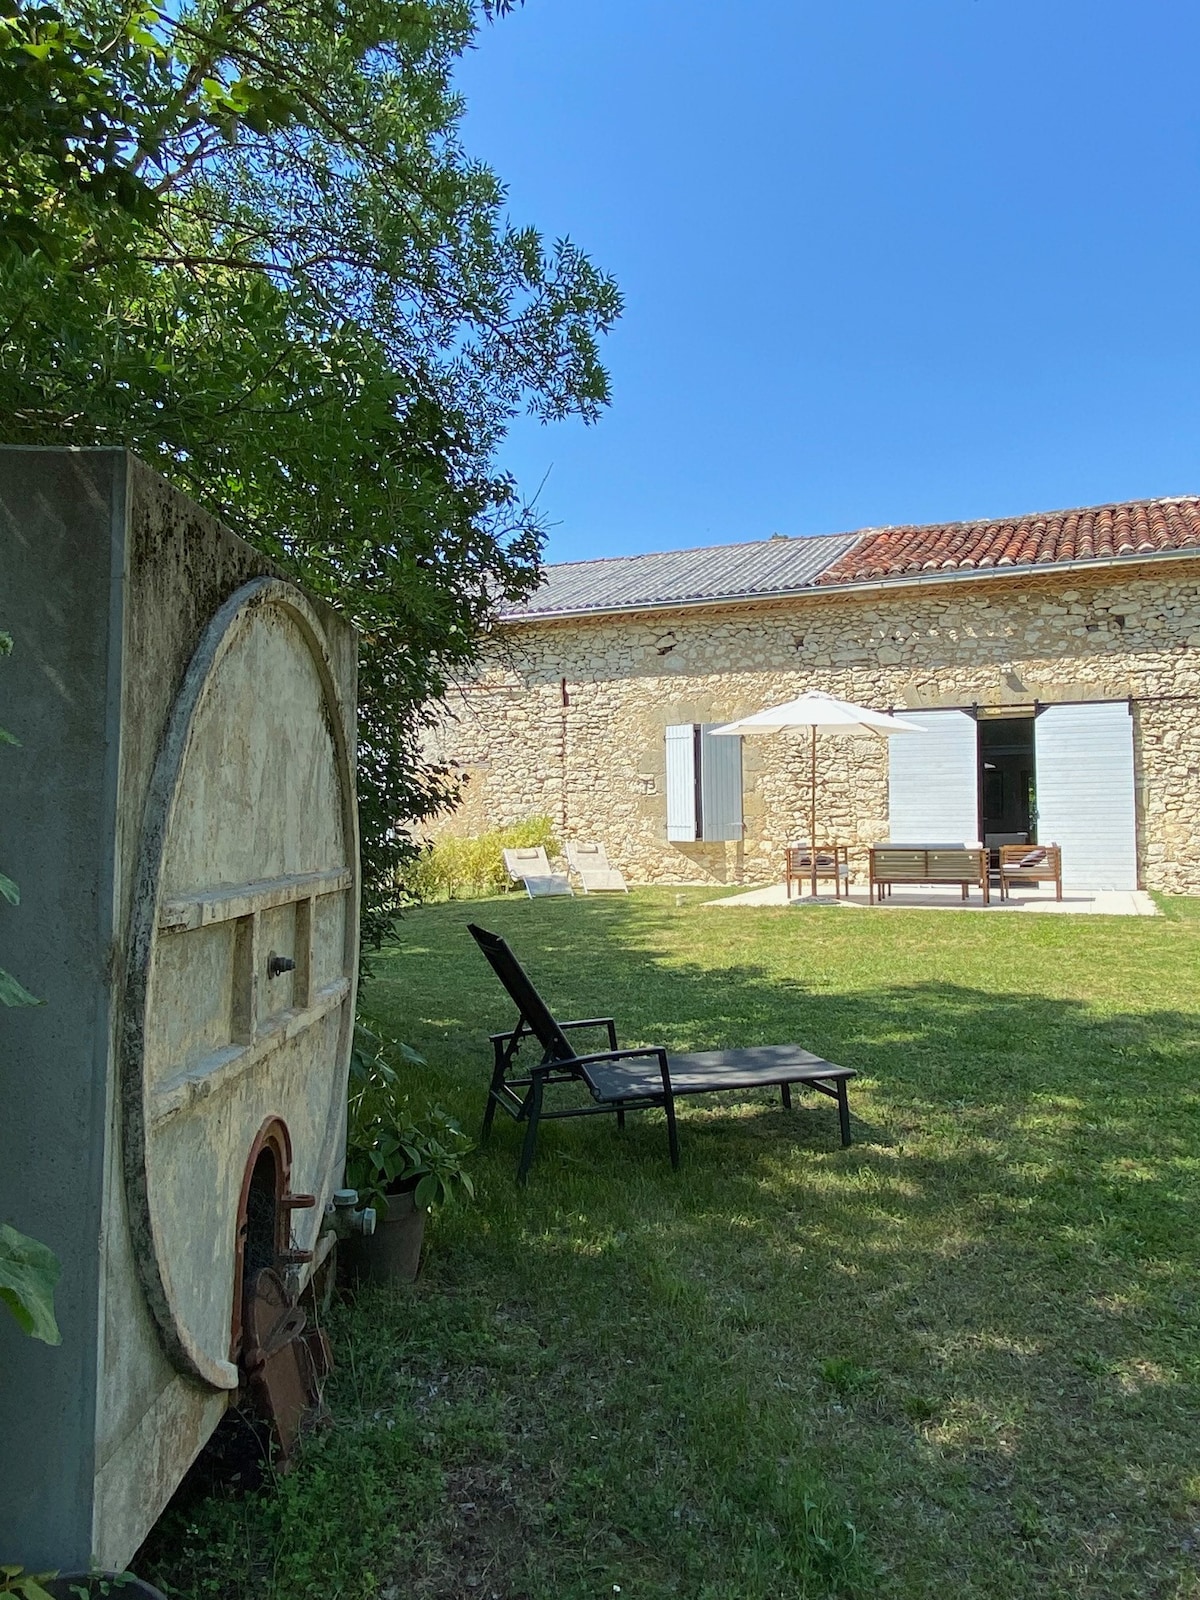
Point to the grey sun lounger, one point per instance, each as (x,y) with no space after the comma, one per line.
(530,867)
(596,873)
(627,1080)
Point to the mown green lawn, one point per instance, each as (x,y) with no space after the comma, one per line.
(959,1359)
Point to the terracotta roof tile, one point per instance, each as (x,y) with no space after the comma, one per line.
(1096,533)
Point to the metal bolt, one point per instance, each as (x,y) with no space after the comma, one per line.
(277,965)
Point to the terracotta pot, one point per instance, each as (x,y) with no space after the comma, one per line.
(392,1254)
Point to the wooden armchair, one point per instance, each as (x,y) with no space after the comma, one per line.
(1030,863)
(832,862)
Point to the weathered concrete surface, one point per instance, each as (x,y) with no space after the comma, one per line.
(109,580)
(246,846)
(60,521)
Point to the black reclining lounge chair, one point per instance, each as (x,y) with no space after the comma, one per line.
(628,1080)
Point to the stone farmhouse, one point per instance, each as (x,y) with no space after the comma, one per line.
(1054,660)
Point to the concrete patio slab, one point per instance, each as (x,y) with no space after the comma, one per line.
(1099,902)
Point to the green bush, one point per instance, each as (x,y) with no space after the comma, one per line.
(468,869)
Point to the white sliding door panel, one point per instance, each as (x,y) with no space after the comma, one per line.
(1085,794)
(933,780)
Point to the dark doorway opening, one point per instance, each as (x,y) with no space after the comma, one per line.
(1006,781)
(262,1216)
(262,1219)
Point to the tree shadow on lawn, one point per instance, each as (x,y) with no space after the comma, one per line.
(978,1318)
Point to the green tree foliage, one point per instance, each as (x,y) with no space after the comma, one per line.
(244,238)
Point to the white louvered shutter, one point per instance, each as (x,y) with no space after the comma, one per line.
(1085,792)
(681,781)
(720,785)
(933,780)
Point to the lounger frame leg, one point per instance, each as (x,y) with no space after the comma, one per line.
(533,1112)
(785,1094)
(843,1102)
(672,1131)
(504,1048)
(489,1111)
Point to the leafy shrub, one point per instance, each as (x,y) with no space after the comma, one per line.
(388,1148)
(468,869)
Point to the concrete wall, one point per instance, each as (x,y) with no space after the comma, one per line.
(61,522)
(568,718)
(108,581)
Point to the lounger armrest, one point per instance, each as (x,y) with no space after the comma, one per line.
(655,1050)
(595,1022)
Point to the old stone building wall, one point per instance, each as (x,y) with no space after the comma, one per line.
(568,718)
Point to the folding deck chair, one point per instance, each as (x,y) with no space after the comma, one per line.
(590,864)
(627,1080)
(530,867)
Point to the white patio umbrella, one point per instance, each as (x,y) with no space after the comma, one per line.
(820,713)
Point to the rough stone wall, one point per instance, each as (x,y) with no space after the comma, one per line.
(568,717)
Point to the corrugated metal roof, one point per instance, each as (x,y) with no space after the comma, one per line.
(755,570)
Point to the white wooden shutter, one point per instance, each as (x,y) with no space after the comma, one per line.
(720,785)
(681,781)
(1085,795)
(933,780)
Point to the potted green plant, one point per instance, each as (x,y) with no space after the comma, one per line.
(78,1586)
(402,1164)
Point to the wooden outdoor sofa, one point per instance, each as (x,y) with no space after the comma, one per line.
(626,1080)
(965,865)
(1024,863)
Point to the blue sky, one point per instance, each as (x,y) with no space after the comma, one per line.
(884,261)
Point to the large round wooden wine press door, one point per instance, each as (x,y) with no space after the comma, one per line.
(242,958)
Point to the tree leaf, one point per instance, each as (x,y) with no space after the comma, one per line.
(29,1588)
(28,1274)
(14,994)
(9,891)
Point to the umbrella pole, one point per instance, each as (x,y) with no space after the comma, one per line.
(812,815)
